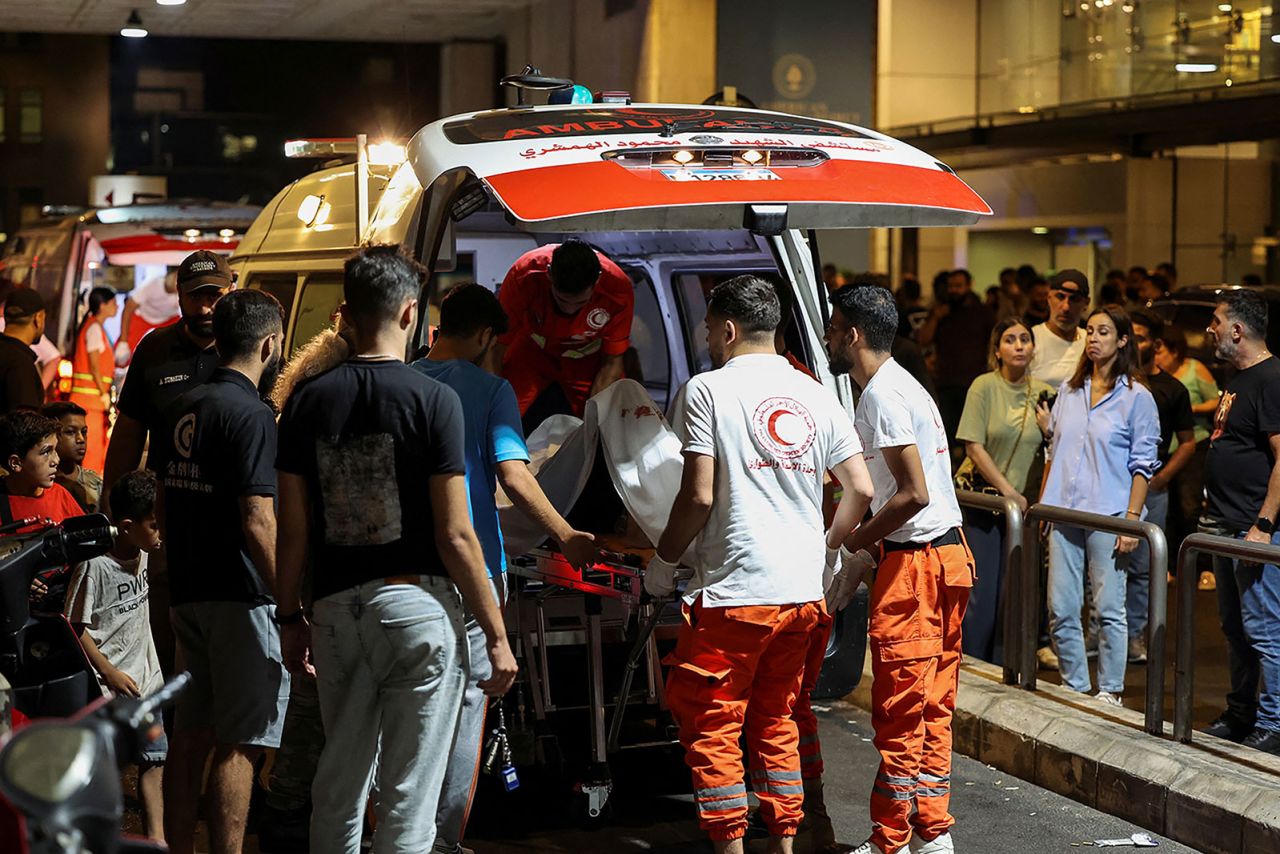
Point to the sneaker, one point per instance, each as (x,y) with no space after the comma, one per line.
(939,845)
(1047,658)
(1228,727)
(1207,582)
(1137,650)
(1266,740)
(1108,699)
(870,847)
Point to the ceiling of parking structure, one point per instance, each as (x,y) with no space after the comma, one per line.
(335,20)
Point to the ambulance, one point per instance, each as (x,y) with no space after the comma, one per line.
(679,196)
(69,251)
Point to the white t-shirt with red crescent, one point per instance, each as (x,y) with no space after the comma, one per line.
(773,433)
(893,411)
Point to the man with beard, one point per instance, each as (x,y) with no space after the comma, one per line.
(167,362)
(1242,487)
(570,309)
(922,582)
(214,455)
(1060,340)
(471,319)
(758,436)
(958,328)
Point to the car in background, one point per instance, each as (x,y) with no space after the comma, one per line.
(1191,309)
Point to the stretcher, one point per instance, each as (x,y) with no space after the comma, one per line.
(556,604)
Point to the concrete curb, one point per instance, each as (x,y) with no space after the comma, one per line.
(1212,795)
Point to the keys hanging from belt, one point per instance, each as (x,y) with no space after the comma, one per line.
(497,754)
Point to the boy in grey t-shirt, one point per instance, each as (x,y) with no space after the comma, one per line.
(107,603)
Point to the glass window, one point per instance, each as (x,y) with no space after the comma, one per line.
(30,116)
(649,359)
(282,286)
(692,290)
(321,296)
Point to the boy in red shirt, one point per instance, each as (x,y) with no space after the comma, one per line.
(28,452)
(570,309)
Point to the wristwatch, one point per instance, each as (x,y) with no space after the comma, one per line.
(1265,525)
(288,619)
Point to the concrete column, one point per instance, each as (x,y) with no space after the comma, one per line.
(468,77)
(678,54)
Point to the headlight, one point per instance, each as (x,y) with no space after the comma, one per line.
(49,762)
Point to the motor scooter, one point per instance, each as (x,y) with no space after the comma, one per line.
(60,778)
(40,654)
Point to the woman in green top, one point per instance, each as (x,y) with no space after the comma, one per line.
(1001,437)
(1188,487)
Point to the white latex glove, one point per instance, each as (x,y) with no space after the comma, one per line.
(659,577)
(122,354)
(829,570)
(854,567)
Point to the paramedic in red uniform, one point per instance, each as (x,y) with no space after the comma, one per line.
(758,436)
(922,580)
(570,309)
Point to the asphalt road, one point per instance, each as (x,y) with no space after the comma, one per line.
(653,812)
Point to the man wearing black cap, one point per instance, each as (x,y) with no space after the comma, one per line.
(167,362)
(20,385)
(1060,340)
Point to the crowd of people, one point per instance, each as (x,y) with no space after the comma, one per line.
(1103,410)
(315,539)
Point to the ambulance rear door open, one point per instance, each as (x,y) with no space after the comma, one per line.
(613,168)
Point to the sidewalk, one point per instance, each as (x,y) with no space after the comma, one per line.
(1212,795)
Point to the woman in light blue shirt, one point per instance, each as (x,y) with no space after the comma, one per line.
(1104,430)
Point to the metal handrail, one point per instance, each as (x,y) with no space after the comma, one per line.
(1157,606)
(1183,673)
(1012,513)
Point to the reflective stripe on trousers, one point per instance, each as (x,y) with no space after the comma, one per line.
(736,669)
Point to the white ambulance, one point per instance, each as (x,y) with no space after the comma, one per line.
(680,197)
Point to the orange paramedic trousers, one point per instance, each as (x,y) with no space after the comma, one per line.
(733,667)
(918,601)
(806,721)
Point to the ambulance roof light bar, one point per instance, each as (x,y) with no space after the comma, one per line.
(384,152)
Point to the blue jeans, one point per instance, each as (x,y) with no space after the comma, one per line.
(1071,550)
(464,763)
(1249,611)
(391,666)
(1139,587)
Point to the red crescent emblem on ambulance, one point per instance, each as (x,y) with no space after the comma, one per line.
(783,427)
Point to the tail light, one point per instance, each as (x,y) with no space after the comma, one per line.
(64,378)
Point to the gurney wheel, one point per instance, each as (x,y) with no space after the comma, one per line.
(586,809)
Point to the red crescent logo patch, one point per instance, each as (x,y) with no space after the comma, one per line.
(783,427)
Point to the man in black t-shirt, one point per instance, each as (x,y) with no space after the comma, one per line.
(1173,404)
(213,449)
(1242,486)
(20,386)
(166,363)
(373,495)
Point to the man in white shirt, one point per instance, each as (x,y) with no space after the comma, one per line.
(758,436)
(1060,340)
(921,585)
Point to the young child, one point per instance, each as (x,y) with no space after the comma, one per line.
(107,603)
(84,484)
(29,452)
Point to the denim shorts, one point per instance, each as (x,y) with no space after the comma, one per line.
(155,751)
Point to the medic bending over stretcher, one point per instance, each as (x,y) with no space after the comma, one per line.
(921,585)
(757,438)
(570,310)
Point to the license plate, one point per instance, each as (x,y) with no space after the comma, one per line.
(720,175)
